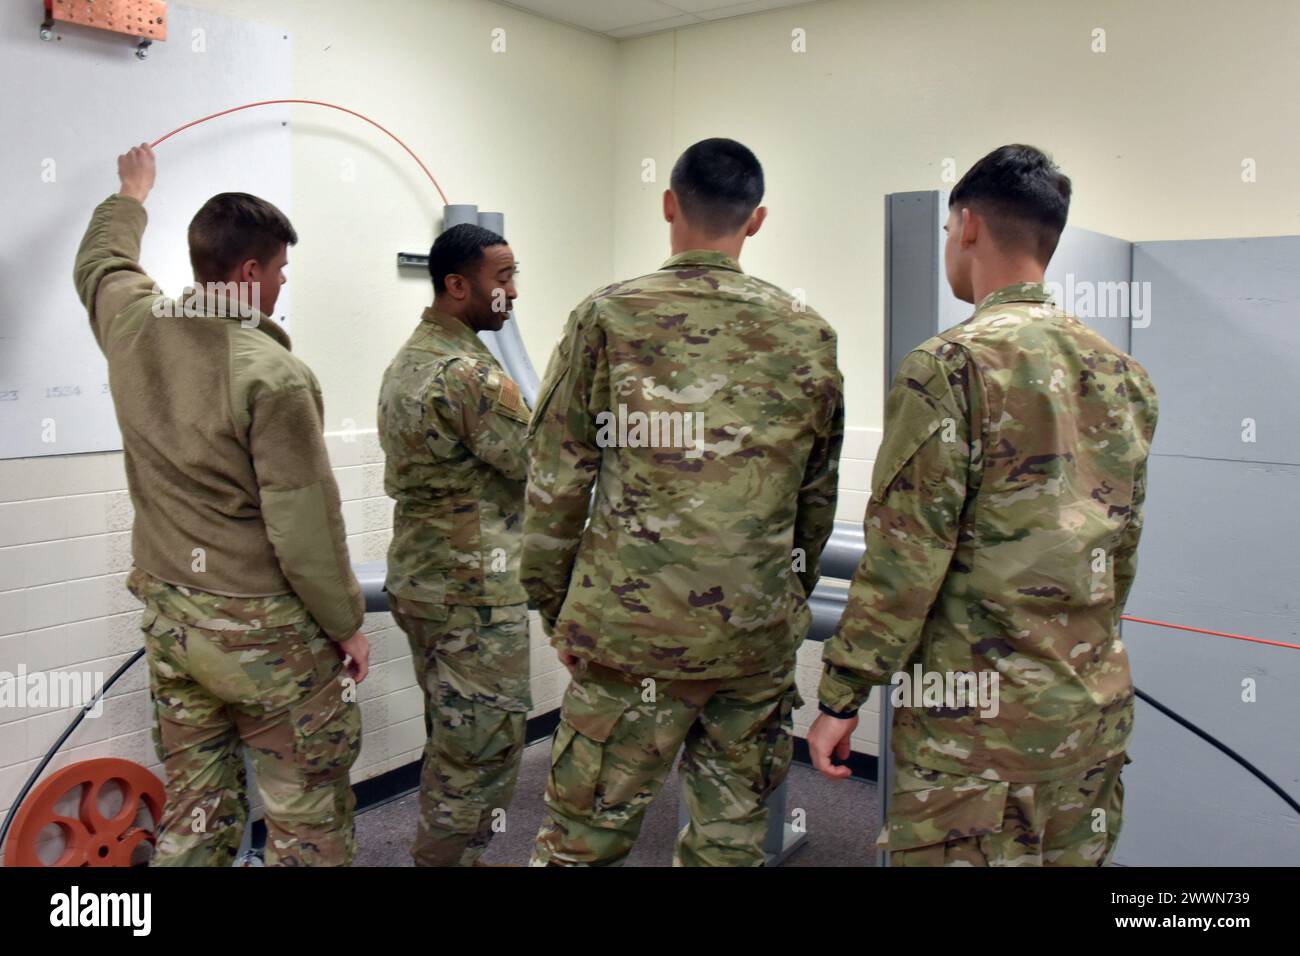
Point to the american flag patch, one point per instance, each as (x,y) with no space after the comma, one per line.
(511,399)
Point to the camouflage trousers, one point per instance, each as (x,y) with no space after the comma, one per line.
(944,819)
(472,663)
(279,690)
(616,743)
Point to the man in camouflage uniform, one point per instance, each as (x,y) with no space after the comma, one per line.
(704,406)
(453,425)
(1002,535)
(252,614)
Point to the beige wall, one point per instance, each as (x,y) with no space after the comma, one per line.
(524,132)
(1153,131)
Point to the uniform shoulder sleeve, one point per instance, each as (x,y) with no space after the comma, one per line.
(818,493)
(919,486)
(563,459)
(300,502)
(107,272)
(930,393)
(478,402)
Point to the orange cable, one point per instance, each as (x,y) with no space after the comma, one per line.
(342,109)
(1201,630)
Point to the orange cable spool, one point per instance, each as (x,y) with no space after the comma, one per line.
(90,838)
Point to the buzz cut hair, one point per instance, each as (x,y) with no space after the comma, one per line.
(1023,196)
(458,249)
(718,183)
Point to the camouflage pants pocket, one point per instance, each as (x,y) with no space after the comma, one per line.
(266,668)
(576,763)
(779,753)
(605,771)
(938,819)
(467,777)
(472,665)
(206,807)
(301,756)
(497,734)
(486,657)
(1082,816)
(327,733)
(737,754)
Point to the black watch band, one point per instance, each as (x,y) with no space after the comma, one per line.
(835,713)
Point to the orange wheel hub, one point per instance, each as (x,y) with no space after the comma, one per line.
(90,838)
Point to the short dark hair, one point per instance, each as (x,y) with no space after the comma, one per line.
(1022,193)
(457,249)
(718,183)
(233,227)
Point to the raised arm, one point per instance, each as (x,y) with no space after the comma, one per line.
(107,273)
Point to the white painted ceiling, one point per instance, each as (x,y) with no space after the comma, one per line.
(621,19)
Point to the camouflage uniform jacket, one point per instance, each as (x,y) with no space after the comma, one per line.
(1002,535)
(452,424)
(704,406)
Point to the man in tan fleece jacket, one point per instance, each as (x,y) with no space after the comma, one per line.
(252,614)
